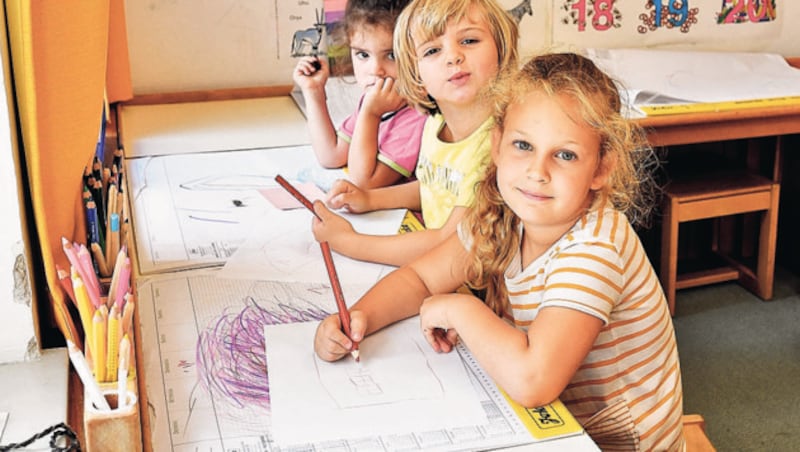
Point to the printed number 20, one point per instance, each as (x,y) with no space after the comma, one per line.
(757,10)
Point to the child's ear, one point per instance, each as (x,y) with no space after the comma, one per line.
(604,170)
(496,135)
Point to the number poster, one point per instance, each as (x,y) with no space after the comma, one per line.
(726,24)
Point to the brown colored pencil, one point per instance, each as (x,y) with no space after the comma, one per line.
(344,314)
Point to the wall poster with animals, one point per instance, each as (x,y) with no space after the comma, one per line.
(175,46)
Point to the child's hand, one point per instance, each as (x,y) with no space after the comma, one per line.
(330,343)
(382,97)
(435,325)
(346,195)
(311,72)
(330,227)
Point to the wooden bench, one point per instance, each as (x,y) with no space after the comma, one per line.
(694,430)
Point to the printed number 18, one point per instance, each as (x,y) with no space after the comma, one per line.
(602,17)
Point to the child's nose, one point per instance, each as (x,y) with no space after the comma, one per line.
(455,57)
(537,170)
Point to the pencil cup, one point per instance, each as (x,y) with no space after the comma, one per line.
(117,430)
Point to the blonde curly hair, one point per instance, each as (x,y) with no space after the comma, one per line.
(630,187)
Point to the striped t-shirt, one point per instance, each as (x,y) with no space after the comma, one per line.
(627,393)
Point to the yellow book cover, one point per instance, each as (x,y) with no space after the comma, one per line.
(410,223)
(546,422)
(708,107)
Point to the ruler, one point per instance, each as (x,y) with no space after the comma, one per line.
(550,421)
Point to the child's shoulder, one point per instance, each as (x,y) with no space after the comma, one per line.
(602,225)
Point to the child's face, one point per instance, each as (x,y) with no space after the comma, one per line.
(547,163)
(456,66)
(372,55)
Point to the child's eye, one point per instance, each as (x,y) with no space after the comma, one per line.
(566,155)
(362,55)
(468,41)
(429,52)
(522,145)
(390,56)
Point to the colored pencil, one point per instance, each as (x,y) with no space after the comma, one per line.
(296,193)
(344,314)
(122,371)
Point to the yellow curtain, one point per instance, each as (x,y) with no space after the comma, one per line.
(59,56)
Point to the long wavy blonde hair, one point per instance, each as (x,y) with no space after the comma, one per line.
(493,226)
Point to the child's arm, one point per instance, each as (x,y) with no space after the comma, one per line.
(346,195)
(395,297)
(363,166)
(331,152)
(385,249)
(533,368)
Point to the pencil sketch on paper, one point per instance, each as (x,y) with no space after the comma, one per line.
(383,379)
(231,358)
(195,210)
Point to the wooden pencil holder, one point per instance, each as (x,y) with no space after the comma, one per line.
(117,430)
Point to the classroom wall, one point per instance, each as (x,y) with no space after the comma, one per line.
(18,336)
(178,45)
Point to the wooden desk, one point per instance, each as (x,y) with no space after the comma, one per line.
(765,130)
(668,130)
(693,128)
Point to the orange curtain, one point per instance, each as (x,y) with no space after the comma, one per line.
(60,57)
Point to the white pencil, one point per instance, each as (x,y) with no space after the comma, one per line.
(122,372)
(89,383)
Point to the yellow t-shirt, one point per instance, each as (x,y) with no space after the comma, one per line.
(447,172)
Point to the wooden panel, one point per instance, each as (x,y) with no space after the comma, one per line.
(723,206)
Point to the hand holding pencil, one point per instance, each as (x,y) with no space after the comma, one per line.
(344,314)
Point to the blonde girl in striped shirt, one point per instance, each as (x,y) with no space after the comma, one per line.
(573,309)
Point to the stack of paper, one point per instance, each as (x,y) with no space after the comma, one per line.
(667,82)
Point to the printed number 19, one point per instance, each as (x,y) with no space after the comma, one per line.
(682,10)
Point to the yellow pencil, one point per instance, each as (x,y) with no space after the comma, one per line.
(99,331)
(83,304)
(112,344)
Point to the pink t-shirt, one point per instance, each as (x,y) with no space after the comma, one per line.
(399,137)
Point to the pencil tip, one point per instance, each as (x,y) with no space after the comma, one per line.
(356,355)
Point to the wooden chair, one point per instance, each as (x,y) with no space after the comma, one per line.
(717,196)
(694,430)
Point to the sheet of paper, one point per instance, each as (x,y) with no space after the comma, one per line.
(657,77)
(399,386)
(207,376)
(282,199)
(195,210)
(3,420)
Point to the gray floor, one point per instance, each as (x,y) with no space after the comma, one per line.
(740,362)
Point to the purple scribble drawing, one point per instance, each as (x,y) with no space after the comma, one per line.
(231,354)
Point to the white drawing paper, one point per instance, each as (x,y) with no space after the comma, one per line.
(400,385)
(195,210)
(207,376)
